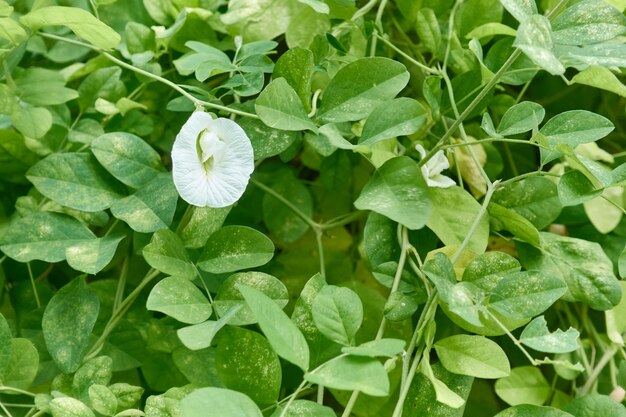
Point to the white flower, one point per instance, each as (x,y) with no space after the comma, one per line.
(431,170)
(212,161)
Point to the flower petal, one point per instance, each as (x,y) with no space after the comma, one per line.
(440,181)
(420,149)
(438,163)
(224,182)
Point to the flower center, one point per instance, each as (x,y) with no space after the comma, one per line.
(211,148)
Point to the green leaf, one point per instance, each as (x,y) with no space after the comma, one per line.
(380,240)
(139,38)
(181,299)
(281,220)
(102,399)
(166,253)
(575,188)
(537,336)
(204,221)
(103,83)
(75,180)
(284,336)
(422,397)
(525,385)
(595,405)
(206,61)
(81,22)
(529,410)
(304,408)
(428,30)
(400,117)
(521,118)
(534,38)
(200,336)
(352,373)
(127,395)
(32,122)
(218,402)
(374,348)
(535,198)
(490,29)
(12,31)
(23,365)
(199,366)
(473,356)
(67,323)
(443,393)
(361,86)
(296,67)
(5,346)
(233,248)
(229,297)
(602,78)
(91,256)
(583,265)
(520,9)
(338,313)
(519,226)
(151,207)
(523,295)
(455,212)
(588,22)
(621,263)
(576,127)
(15,157)
(69,407)
(279,107)
(266,142)
(98,370)
(44,236)
(486,270)
(127,157)
(245,362)
(42,87)
(398,184)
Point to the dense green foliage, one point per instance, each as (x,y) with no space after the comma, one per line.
(434,226)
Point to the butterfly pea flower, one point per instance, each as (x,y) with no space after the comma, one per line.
(212,161)
(432,169)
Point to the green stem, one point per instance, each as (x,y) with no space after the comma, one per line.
(6,411)
(286,202)
(293,397)
(483,208)
(342,220)
(405,55)
(604,360)
(526,175)
(378,24)
(3,259)
(32,283)
(320,394)
(320,251)
(121,284)
(470,108)
(426,317)
(16,390)
(350,405)
(404,237)
(119,313)
(487,140)
(197,102)
(462,128)
(514,339)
